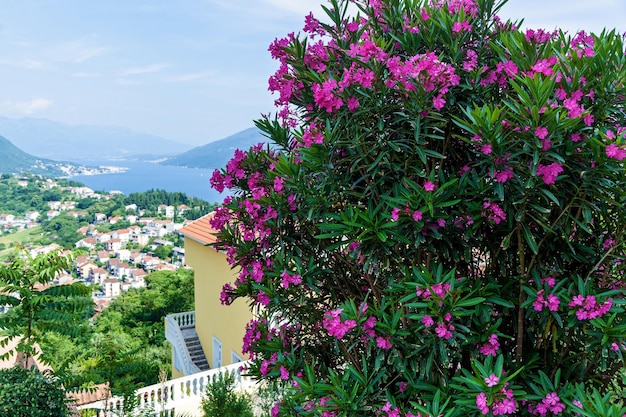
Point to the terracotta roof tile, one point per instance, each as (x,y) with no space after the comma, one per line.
(201,230)
(90,395)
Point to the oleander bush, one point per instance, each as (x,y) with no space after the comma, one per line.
(436,225)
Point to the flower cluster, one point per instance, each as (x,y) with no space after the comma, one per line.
(549,173)
(587,308)
(335,326)
(551,301)
(493,212)
(502,403)
(551,403)
(491,347)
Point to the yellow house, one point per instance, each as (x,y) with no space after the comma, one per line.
(211,336)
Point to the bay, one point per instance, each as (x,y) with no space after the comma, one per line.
(142,176)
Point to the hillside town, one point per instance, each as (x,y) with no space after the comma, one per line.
(112,259)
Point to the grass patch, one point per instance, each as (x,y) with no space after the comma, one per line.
(23,237)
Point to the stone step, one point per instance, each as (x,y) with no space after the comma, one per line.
(194,347)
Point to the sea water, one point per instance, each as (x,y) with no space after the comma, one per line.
(143,176)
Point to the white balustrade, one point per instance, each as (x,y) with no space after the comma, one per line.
(184,320)
(182,395)
(174,324)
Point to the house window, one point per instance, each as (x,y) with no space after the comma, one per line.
(234,358)
(217,353)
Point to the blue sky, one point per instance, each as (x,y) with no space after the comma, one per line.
(191,71)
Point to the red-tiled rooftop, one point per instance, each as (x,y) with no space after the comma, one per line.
(200,230)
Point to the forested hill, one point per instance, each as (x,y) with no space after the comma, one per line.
(216,154)
(14,160)
(151,199)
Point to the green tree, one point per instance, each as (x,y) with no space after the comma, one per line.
(163,251)
(127,346)
(36,305)
(223,400)
(30,393)
(438,223)
(62,230)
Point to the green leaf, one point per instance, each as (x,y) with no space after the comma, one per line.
(530,239)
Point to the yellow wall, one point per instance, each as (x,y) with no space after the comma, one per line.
(227,323)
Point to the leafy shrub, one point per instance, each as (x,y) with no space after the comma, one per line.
(30,393)
(222,399)
(437,227)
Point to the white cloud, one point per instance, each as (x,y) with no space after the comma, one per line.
(76,51)
(25,63)
(142,70)
(25,107)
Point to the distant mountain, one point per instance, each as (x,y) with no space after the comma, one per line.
(216,154)
(13,160)
(83,143)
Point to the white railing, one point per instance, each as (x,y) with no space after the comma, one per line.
(180,395)
(184,320)
(174,323)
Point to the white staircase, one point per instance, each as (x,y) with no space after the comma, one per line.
(180,331)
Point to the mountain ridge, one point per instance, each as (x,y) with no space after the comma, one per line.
(83,142)
(15,161)
(217,153)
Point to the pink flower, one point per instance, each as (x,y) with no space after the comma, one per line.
(264,368)
(417,215)
(289,279)
(368,326)
(353,103)
(491,347)
(383,342)
(284,373)
(429,186)
(427,321)
(481,403)
(325,95)
(614,151)
(544,66)
(444,331)
(492,380)
(217,181)
(312,25)
(541,132)
(493,212)
(333,324)
(471,58)
(503,176)
(439,102)
(263,298)
(549,173)
(553,302)
(460,26)
(395,214)
(589,308)
(291,202)
(279,184)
